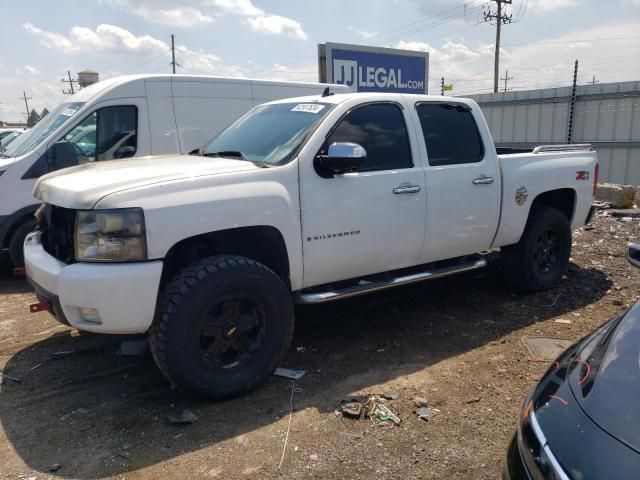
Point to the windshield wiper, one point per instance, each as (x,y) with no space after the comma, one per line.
(227,153)
(239,155)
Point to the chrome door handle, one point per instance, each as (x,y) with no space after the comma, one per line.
(406,188)
(482,180)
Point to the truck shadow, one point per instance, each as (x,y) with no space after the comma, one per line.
(83,403)
(9,283)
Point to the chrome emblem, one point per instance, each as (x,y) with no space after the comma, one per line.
(521,195)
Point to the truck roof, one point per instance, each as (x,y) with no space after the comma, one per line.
(339,97)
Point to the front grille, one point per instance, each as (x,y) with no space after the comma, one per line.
(57,225)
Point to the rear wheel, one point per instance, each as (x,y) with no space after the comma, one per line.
(539,259)
(223,326)
(16,244)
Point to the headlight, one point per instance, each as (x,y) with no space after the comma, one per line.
(110,235)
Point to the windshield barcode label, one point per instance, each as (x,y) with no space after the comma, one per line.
(307,107)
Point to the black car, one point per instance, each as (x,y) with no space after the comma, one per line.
(582,420)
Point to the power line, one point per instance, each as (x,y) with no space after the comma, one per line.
(500,19)
(71,81)
(26,104)
(173,54)
(506,79)
(395,31)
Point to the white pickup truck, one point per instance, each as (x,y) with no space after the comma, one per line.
(302,200)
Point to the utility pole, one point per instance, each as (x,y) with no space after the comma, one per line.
(594,81)
(26,104)
(572,105)
(442,86)
(500,18)
(70,91)
(173,54)
(506,79)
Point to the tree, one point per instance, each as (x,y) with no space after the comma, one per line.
(33,118)
(44,113)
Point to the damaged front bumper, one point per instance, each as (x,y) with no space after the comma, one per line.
(120,296)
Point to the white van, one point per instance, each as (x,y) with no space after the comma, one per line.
(124,117)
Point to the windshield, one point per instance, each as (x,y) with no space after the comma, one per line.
(269,134)
(45,127)
(7,139)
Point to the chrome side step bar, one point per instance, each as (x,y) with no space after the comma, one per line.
(363,287)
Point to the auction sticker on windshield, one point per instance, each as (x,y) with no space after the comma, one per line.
(68,112)
(307,107)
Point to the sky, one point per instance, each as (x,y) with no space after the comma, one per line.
(40,40)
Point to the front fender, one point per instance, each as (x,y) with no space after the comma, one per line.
(185,208)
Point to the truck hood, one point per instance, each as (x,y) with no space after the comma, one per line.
(83,186)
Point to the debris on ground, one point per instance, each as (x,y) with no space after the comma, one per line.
(389,394)
(625,213)
(420,402)
(472,400)
(301,349)
(545,348)
(55,467)
(134,348)
(351,409)
(185,417)
(563,321)
(289,373)
(426,413)
(372,408)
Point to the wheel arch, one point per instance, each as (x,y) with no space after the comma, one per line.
(262,243)
(13,222)
(564,199)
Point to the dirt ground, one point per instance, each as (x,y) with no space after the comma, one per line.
(88,413)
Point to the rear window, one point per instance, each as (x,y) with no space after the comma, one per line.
(450,134)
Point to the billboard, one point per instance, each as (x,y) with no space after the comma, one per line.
(374,69)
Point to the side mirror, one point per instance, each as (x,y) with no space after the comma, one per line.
(63,156)
(342,157)
(633,254)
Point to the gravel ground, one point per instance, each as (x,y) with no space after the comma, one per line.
(69,404)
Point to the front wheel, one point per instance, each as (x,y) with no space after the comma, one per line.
(539,259)
(223,326)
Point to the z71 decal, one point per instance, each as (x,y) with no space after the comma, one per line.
(582,175)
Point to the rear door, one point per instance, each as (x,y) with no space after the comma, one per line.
(462,181)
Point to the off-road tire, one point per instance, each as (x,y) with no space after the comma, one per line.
(175,336)
(16,244)
(519,261)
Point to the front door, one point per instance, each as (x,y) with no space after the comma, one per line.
(371,220)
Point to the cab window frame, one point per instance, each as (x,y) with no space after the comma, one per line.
(323,149)
(465,108)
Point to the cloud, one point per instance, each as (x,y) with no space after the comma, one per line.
(50,39)
(178,17)
(363,33)
(544,6)
(105,39)
(32,70)
(276,24)
(113,40)
(190,13)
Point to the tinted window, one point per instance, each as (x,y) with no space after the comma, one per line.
(450,133)
(380,129)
